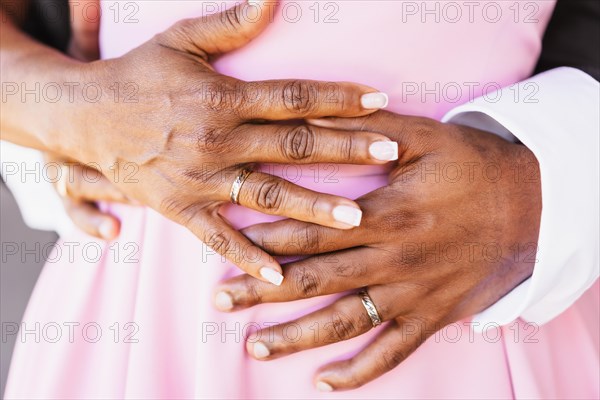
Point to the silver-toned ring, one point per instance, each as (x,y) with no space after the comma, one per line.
(370,307)
(61,184)
(237,185)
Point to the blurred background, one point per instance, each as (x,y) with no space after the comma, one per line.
(18,273)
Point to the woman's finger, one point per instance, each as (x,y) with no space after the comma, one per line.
(87,217)
(84,183)
(219,33)
(397,341)
(310,144)
(277,100)
(314,276)
(344,319)
(236,248)
(276,196)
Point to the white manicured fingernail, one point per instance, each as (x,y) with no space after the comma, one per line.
(372,101)
(260,350)
(106,229)
(347,215)
(324,387)
(223,301)
(271,275)
(384,151)
(254,3)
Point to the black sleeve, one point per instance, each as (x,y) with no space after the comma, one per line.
(48,22)
(572,38)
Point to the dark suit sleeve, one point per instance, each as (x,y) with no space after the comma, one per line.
(48,22)
(572,38)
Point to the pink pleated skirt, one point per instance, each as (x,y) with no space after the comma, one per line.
(134,319)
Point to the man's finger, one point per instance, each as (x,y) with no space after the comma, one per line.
(344,319)
(314,276)
(413,134)
(385,353)
(290,237)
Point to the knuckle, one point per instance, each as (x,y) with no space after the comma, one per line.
(306,282)
(346,147)
(270,195)
(231,20)
(350,270)
(390,359)
(178,210)
(342,327)
(307,238)
(218,241)
(212,140)
(407,216)
(182,36)
(299,97)
(221,96)
(252,292)
(424,129)
(299,143)
(169,206)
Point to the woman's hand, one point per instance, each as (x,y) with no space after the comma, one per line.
(80,188)
(187,132)
(454,231)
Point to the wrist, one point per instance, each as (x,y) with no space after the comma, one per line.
(77,117)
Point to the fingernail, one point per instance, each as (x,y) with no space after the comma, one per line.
(324,387)
(106,229)
(271,275)
(254,3)
(384,151)
(223,301)
(260,350)
(372,101)
(347,215)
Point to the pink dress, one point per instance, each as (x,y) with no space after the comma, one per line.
(134,318)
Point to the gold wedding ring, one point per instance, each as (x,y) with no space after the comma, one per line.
(370,307)
(237,185)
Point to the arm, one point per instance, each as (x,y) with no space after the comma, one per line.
(38,200)
(25,64)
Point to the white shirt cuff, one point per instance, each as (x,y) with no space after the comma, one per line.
(560,124)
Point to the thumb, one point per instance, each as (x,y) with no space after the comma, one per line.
(85,28)
(222,32)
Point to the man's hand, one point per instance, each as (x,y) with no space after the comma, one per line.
(453,232)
